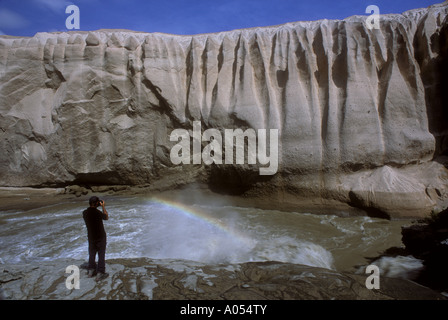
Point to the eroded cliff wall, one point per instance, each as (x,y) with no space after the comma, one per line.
(361,113)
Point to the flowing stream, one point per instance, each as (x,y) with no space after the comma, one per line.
(224,234)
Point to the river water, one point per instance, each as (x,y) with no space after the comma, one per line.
(224,234)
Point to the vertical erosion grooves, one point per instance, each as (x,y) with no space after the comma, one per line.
(344,98)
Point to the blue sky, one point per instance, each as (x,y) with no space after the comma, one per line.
(26,17)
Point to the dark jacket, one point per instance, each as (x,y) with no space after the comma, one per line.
(94,223)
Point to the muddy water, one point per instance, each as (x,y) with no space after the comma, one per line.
(224,234)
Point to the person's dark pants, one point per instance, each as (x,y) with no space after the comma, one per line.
(97,246)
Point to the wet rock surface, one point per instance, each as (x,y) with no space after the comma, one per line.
(145,279)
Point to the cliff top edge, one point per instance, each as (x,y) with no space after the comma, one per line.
(412,14)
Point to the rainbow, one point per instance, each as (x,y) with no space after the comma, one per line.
(196,213)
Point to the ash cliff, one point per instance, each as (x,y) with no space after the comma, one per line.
(361,114)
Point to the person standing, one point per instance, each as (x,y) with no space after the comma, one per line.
(96,236)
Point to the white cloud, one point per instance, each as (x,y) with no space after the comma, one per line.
(56,6)
(10,19)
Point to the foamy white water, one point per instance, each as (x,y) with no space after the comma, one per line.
(405,267)
(144,228)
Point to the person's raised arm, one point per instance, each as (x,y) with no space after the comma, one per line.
(103,205)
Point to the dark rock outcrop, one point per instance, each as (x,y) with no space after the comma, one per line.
(429,242)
